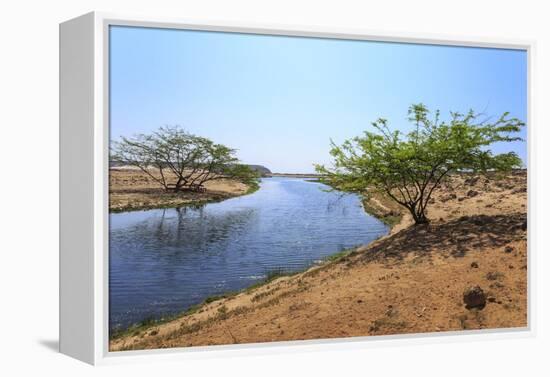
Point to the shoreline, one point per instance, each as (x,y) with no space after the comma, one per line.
(378,211)
(150,323)
(213,198)
(409,281)
(131,190)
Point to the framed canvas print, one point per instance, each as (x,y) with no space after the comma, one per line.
(226,187)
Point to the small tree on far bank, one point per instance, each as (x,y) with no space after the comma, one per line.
(178,160)
(409,167)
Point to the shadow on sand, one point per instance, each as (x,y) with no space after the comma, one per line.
(457,237)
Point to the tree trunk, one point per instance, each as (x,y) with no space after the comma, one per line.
(179,184)
(419,217)
(421,220)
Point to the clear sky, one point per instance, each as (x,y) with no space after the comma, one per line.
(279,100)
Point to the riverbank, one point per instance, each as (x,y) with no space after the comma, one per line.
(411,281)
(131,190)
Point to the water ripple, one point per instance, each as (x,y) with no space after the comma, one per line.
(164,261)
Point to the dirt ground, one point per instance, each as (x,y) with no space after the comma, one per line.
(411,281)
(131,189)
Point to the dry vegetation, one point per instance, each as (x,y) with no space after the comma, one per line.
(411,281)
(131,189)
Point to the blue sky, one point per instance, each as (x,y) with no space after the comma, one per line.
(279,100)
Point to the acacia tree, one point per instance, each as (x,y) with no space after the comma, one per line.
(409,167)
(182,160)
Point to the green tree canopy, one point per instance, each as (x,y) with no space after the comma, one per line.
(409,167)
(173,152)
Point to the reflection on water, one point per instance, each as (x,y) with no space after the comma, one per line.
(164,261)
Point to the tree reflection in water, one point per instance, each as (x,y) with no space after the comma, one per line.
(163,261)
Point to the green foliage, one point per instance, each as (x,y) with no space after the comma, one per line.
(339,255)
(243,173)
(192,159)
(408,167)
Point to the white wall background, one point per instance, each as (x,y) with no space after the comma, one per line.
(29,184)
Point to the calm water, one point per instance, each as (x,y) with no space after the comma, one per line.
(164,261)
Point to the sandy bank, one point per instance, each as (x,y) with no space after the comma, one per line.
(131,189)
(411,281)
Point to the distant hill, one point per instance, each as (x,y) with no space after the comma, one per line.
(264,172)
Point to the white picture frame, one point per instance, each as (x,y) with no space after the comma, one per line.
(84,140)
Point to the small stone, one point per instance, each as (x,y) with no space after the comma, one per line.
(493,275)
(451,196)
(472,193)
(391,312)
(471,181)
(474,297)
(508,249)
(474,265)
(491,299)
